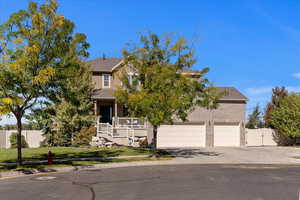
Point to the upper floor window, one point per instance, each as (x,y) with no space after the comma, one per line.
(130,78)
(106,80)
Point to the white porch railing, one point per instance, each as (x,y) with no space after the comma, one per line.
(128,125)
(104,128)
(134,123)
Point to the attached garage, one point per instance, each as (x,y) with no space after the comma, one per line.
(181,136)
(227,135)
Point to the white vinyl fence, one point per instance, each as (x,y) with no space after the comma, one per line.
(32,137)
(260,137)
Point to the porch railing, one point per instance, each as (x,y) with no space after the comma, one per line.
(134,123)
(104,128)
(121,123)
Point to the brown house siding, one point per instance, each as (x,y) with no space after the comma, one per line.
(97,80)
(226,112)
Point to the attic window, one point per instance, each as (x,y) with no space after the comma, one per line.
(106,80)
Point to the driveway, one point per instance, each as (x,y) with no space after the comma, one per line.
(259,155)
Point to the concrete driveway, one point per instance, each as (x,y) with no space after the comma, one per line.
(258,155)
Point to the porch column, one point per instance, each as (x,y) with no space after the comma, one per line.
(95,108)
(116,109)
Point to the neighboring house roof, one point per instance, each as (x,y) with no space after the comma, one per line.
(231,94)
(104,64)
(190,71)
(106,93)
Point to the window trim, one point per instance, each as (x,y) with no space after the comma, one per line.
(109,80)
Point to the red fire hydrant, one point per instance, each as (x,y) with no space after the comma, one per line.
(50,156)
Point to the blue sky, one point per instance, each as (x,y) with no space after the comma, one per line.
(251,45)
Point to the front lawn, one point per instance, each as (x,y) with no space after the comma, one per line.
(10,155)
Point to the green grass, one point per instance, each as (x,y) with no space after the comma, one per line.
(10,155)
(43,167)
(296,157)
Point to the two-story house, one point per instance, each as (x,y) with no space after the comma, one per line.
(223,126)
(105,80)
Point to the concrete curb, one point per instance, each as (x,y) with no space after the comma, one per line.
(75,159)
(15,174)
(60,169)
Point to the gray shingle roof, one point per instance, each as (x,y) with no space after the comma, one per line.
(104,64)
(107,64)
(106,93)
(231,93)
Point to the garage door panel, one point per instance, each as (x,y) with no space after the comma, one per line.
(226,135)
(181,136)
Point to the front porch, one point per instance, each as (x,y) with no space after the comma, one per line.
(107,109)
(106,106)
(113,124)
(122,131)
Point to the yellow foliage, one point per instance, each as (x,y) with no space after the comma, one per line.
(34,32)
(14,66)
(179,44)
(59,20)
(34,49)
(4,110)
(11,101)
(19,65)
(44,75)
(18,41)
(7,100)
(37,19)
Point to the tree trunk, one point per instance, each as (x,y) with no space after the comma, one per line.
(154,140)
(19,140)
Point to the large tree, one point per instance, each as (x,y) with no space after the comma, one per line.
(38,49)
(278,93)
(285,119)
(158,90)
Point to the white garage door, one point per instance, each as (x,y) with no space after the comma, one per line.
(226,135)
(181,136)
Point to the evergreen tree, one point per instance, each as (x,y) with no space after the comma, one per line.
(70,111)
(254,119)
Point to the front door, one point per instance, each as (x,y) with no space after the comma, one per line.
(106,113)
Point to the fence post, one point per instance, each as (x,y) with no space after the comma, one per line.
(262,137)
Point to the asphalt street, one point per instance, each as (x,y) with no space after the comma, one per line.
(182,182)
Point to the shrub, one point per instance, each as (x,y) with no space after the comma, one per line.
(143,143)
(13,141)
(84,137)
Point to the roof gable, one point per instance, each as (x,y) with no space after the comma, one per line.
(104,64)
(231,94)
